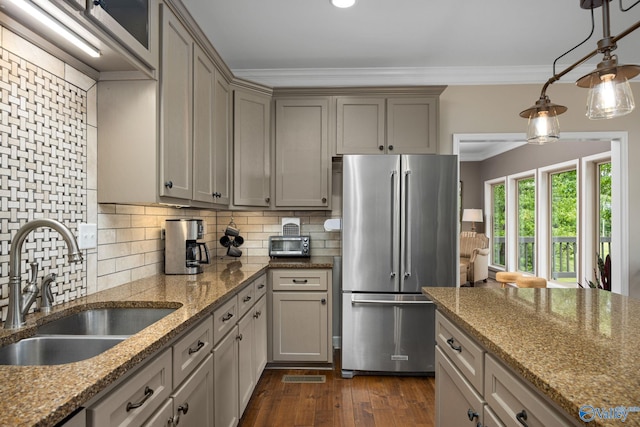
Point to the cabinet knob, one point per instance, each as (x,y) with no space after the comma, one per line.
(324,200)
(522,417)
(168,184)
(381,147)
(216,194)
(184,408)
(391,148)
(100,3)
(268,200)
(239,337)
(323,301)
(471,414)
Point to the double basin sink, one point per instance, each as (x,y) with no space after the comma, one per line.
(80,336)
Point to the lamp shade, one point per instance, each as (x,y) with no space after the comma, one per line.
(472,215)
(543,121)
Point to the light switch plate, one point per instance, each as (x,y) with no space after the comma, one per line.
(88,236)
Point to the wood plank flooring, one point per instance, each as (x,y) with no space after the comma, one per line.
(363,401)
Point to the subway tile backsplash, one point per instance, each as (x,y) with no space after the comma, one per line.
(48,169)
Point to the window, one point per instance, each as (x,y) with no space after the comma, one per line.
(564,226)
(604,209)
(526,200)
(498,224)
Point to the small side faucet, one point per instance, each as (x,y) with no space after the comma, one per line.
(17,302)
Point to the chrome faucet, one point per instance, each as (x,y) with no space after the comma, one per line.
(19,303)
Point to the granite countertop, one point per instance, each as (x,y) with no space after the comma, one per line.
(44,395)
(576,346)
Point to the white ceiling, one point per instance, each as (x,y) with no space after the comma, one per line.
(310,42)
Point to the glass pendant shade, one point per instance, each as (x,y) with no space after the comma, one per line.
(543,128)
(343,3)
(610,96)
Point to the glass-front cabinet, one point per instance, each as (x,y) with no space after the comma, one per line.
(133,22)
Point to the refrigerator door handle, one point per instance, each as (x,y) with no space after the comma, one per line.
(387,302)
(393,218)
(407,230)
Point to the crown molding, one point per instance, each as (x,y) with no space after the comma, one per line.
(317,77)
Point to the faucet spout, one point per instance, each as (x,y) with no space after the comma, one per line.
(15,315)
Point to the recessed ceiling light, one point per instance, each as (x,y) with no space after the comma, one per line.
(343,3)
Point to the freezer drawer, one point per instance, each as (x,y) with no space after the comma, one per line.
(387,333)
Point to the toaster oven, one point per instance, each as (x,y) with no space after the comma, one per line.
(290,246)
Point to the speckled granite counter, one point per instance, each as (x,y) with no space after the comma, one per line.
(44,395)
(576,346)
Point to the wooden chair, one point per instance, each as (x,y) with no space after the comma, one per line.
(531,282)
(505,277)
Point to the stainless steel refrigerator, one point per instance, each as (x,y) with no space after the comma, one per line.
(399,234)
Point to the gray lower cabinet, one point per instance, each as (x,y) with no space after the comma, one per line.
(474,388)
(240,355)
(301,321)
(190,404)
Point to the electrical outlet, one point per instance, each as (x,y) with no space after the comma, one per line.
(88,236)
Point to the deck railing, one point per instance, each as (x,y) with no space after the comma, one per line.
(563,259)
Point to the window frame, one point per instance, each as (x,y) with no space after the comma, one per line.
(488,186)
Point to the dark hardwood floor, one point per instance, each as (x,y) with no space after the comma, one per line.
(363,401)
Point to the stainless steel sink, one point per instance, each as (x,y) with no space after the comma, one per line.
(105,321)
(57,350)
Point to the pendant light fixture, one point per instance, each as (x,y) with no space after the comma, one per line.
(609,95)
(343,3)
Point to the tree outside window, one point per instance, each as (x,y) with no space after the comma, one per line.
(564,226)
(526,224)
(604,211)
(498,224)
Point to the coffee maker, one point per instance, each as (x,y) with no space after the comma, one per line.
(183,254)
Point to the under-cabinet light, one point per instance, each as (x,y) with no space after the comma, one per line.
(57,27)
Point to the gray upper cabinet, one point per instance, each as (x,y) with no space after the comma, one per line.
(167,141)
(302,161)
(176,109)
(251,149)
(386,125)
(211,126)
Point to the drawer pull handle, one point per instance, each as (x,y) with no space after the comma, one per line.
(455,347)
(261,286)
(227,317)
(247,298)
(258,314)
(239,337)
(471,414)
(323,301)
(300,281)
(522,417)
(148,392)
(197,349)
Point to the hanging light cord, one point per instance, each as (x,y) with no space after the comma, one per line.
(629,8)
(593,26)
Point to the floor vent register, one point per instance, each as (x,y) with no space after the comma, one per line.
(304,379)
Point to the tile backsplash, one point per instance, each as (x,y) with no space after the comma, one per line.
(43,174)
(48,169)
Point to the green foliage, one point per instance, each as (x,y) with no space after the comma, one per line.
(564,196)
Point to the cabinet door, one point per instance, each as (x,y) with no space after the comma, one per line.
(300,326)
(360,125)
(302,156)
(176,109)
(412,125)
(192,401)
(246,356)
(260,336)
(222,140)
(163,416)
(225,394)
(204,84)
(252,173)
(457,403)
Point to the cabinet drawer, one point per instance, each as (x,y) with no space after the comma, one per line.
(260,285)
(457,403)
(465,354)
(224,318)
(299,280)
(246,299)
(510,398)
(191,349)
(149,388)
